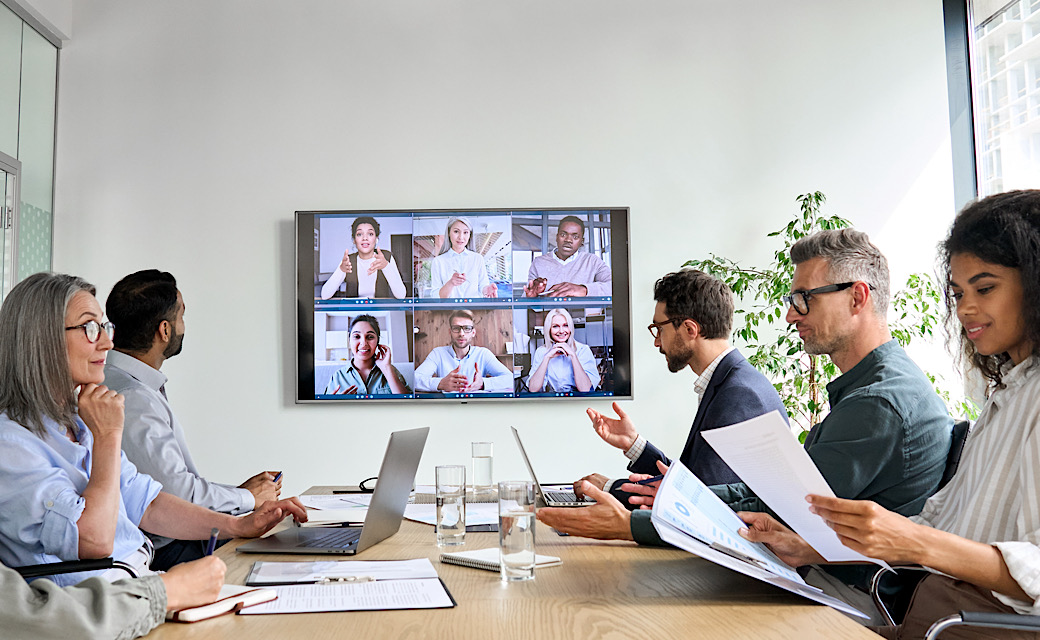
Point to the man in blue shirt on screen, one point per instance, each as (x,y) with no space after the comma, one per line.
(461,366)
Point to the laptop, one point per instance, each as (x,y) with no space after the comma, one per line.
(396,477)
(550,495)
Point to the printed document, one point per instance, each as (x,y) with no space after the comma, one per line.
(767,457)
(382,595)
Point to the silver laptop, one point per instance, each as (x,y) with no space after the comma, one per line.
(396,477)
(550,495)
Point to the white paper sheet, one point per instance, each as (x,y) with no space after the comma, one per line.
(425,593)
(688,515)
(347,501)
(268,572)
(476,513)
(766,456)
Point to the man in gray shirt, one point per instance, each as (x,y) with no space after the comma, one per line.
(148,311)
(566,271)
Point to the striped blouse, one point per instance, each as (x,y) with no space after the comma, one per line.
(995,495)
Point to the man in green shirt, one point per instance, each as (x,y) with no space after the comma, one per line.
(888,433)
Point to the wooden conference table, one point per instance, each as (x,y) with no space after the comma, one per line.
(602,590)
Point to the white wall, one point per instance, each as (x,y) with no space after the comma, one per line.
(190,131)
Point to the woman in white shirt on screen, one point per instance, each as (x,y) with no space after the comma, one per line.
(564,363)
(369,272)
(457,271)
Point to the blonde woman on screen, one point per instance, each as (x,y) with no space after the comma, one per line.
(563,363)
(458,271)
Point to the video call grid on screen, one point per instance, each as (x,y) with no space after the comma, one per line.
(405,274)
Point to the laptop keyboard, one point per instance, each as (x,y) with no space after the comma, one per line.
(339,538)
(562,496)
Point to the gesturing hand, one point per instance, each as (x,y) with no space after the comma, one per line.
(344,264)
(458,279)
(476,383)
(618,432)
(349,391)
(379,262)
(568,290)
(454,382)
(101,409)
(535,287)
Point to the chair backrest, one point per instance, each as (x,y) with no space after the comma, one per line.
(960,433)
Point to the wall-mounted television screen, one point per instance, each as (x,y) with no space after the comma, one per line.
(462,305)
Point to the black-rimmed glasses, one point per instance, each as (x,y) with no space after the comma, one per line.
(93,329)
(655,327)
(800,299)
(463,329)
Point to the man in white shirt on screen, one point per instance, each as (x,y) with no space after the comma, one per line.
(148,311)
(461,366)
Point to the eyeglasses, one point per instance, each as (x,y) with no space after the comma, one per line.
(800,299)
(655,327)
(469,329)
(93,329)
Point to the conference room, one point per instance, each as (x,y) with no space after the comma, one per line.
(184,137)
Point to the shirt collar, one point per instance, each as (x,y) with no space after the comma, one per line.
(853,377)
(143,373)
(561,261)
(700,385)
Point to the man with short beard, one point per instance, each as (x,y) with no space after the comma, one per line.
(691,326)
(148,311)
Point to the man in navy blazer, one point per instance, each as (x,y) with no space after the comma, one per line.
(691,327)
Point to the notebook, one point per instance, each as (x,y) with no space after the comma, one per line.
(490,559)
(396,476)
(232,598)
(550,495)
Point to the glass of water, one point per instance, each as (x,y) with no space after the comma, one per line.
(451,505)
(482,467)
(516,530)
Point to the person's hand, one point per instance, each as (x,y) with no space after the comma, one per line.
(383,360)
(193,583)
(266,516)
(263,487)
(535,287)
(597,480)
(645,492)
(568,290)
(490,291)
(457,279)
(608,519)
(476,383)
(351,390)
(786,544)
(101,409)
(379,262)
(454,382)
(344,264)
(870,529)
(618,432)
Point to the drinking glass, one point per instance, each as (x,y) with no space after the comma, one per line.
(482,462)
(451,505)
(516,529)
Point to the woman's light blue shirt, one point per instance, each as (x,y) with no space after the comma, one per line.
(41,485)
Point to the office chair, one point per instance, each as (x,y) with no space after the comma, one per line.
(892,594)
(1011,621)
(73,566)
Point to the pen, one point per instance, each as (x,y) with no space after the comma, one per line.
(650,480)
(278,477)
(212,541)
(733,553)
(345,579)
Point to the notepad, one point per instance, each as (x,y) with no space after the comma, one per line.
(232,598)
(491,560)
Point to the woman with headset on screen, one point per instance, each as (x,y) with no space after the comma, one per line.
(564,363)
(369,371)
(457,271)
(369,272)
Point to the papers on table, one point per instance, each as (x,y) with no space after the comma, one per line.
(339,501)
(476,513)
(283,573)
(382,595)
(768,459)
(688,515)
